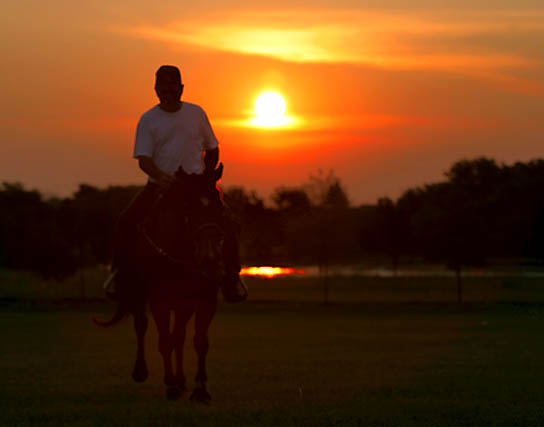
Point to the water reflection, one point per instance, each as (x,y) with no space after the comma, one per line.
(428,271)
(269,272)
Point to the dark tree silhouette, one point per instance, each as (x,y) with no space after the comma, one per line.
(292,201)
(29,236)
(454,220)
(260,229)
(330,234)
(296,217)
(88,221)
(480,212)
(385,229)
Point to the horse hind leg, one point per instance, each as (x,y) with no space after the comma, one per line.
(203,318)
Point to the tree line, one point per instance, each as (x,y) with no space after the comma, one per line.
(480,211)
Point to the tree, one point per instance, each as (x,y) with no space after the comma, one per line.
(451,219)
(326,190)
(259,225)
(385,229)
(292,201)
(30,238)
(330,235)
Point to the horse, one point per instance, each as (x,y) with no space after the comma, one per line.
(177,269)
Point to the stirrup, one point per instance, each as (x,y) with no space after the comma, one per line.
(109,284)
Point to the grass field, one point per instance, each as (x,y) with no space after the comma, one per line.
(284,359)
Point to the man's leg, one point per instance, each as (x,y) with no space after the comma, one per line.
(130,217)
(125,236)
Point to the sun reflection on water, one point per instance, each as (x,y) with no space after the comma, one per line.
(270,272)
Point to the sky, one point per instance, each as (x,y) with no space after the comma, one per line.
(386,94)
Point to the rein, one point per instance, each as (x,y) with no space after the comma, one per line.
(165,254)
(208,225)
(160,250)
(149,240)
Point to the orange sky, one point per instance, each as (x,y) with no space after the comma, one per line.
(387,94)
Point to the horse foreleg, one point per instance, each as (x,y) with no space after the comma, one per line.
(203,317)
(161,315)
(139,374)
(183,313)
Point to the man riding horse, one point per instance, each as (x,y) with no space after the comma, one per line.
(173,135)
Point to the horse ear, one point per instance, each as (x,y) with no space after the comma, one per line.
(218,172)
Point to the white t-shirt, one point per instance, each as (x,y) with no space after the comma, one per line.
(175,139)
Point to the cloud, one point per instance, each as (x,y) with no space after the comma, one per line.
(390,40)
(328,128)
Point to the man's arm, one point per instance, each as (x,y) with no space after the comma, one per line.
(211,157)
(149,167)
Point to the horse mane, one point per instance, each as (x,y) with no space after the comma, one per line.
(189,187)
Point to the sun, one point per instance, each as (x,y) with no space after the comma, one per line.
(270,105)
(270,108)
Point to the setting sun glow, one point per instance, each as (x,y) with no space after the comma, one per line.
(270,272)
(270,110)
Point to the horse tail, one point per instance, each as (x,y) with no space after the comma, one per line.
(120,313)
(130,295)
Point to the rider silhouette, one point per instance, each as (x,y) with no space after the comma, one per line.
(170,135)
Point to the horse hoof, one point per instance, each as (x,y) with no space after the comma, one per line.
(139,375)
(173,393)
(201,395)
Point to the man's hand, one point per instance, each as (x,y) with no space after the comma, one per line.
(211,158)
(214,175)
(148,166)
(165,181)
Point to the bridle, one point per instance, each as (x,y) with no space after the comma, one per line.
(164,253)
(186,261)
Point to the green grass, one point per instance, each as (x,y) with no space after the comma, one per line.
(286,364)
(386,352)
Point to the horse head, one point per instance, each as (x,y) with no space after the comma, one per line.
(187,225)
(208,241)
